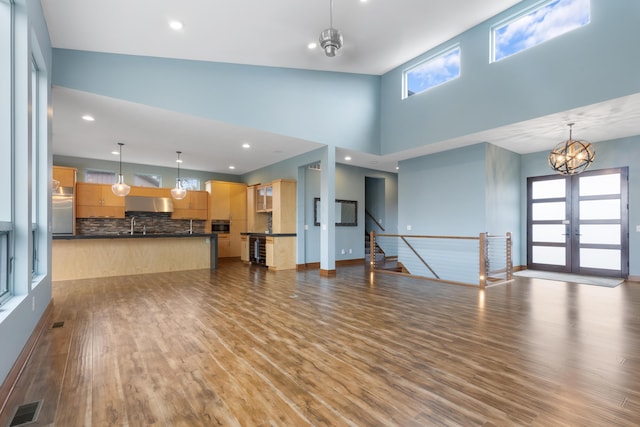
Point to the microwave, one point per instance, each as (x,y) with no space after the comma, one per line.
(220,226)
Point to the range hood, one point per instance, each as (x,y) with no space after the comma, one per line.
(148,204)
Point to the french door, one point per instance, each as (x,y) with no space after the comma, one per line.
(579,224)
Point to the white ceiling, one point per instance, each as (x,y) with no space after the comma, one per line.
(379,35)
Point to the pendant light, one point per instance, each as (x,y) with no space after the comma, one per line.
(178,192)
(330,39)
(571,156)
(120,188)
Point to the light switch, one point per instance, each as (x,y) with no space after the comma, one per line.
(408,228)
(638,228)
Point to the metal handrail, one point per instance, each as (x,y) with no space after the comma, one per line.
(485,274)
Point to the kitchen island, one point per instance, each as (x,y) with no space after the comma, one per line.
(92,256)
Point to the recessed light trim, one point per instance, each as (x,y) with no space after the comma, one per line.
(246,145)
(347,158)
(88,118)
(232,167)
(176,25)
(312,45)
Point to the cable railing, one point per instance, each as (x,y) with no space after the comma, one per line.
(482,260)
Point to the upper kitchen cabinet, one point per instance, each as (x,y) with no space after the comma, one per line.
(65,176)
(280,198)
(283,219)
(228,202)
(193,206)
(97,201)
(264,198)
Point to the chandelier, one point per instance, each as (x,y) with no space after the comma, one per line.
(572,156)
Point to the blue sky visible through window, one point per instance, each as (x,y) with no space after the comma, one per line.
(433,72)
(539,25)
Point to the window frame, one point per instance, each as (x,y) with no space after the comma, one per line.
(522,13)
(440,54)
(104,172)
(142,176)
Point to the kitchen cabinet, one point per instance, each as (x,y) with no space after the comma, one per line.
(193,206)
(264,198)
(283,218)
(97,201)
(228,201)
(280,252)
(65,176)
(224,245)
(244,248)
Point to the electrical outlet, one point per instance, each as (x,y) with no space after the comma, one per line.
(342,251)
(306,226)
(350,251)
(408,228)
(638,228)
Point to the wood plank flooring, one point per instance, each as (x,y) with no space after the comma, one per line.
(242,346)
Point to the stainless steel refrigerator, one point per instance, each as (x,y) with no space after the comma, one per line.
(62,207)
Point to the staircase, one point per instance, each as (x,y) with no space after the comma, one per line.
(383,262)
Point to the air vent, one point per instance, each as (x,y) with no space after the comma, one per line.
(26,414)
(57,325)
(315,166)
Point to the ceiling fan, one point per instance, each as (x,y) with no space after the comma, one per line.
(331,39)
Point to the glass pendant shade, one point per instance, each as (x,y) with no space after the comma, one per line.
(178,192)
(120,188)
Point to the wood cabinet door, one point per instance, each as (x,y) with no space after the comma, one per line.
(88,194)
(199,200)
(110,199)
(223,246)
(66,176)
(219,199)
(238,202)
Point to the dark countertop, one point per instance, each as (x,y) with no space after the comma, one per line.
(132,236)
(269,234)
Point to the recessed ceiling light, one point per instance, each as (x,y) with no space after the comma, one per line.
(88,118)
(347,158)
(115,153)
(232,167)
(176,25)
(179,161)
(246,145)
(312,45)
(397,167)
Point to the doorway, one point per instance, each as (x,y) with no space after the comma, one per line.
(579,224)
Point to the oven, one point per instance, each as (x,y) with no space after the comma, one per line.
(220,226)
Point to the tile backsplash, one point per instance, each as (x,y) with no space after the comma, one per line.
(151,222)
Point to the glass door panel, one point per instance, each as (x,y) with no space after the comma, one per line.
(579,223)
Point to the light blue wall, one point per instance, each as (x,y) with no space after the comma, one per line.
(609,154)
(585,66)
(350,184)
(444,193)
(502,205)
(130,169)
(330,108)
(20,314)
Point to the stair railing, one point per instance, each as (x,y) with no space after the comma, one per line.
(453,255)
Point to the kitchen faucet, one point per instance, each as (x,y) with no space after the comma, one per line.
(190,226)
(133,222)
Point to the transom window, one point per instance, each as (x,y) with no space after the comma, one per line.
(147,180)
(543,22)
(432,72)
(100,176)
(190,183)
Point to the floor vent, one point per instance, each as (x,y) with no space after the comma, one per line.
(57,325)
(26,414)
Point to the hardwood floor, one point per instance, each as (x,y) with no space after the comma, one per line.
(245,346)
